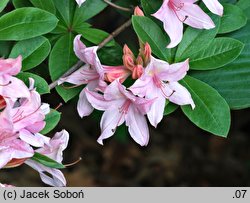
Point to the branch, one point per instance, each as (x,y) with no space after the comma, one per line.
(102,44)
(117,7)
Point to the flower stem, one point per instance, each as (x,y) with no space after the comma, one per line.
(117,7)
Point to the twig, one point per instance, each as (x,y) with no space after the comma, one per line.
(102,44)
(116,6)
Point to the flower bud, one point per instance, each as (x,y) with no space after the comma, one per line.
(138,11)
(137,72)
(128,62)
(127,51)
(147,53)
(122,74)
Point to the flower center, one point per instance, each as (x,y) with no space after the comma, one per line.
(176,8)
(161,85)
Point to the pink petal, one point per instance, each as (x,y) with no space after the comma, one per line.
(142,86)
(155,114)
(12,87)
(175,72)
(30,138)
(196,17)
(111,119)
(10,66)
(214,6)
(57,178)
(137,126)
(79,47)
(181,95)
(172,24)
(84,108)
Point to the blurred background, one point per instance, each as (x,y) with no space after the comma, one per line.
(178,154)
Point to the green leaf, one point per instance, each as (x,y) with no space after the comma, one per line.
(232,81)
(232,19)
(95,36)
(51,119)
(245,6)
(212,112)
(3,4)
(61,59)
(46,161)
(169,108)
(89,9)
(47,5)
(111,55)
(41,85)
(66,10)
(195,40)
(150,32)
(26,23)
(21,3)
(34,51)
(151,6)
(220,52)
(5,48)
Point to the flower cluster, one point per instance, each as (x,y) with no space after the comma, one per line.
(155,82)
(22,117)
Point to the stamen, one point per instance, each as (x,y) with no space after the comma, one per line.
(4,85)
(59,105)
(177,8)
(74,163)
(69,87)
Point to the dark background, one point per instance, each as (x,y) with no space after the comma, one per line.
(178,154)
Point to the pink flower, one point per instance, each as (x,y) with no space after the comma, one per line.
(121,106)
(11,147)
(5,185)
(173,13)
(25,117)
(53,149)
(12,87)
(92,74)
(160,81)
(80,2)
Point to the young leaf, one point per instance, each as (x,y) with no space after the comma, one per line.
(47,5)
(51,119)
(26,23)
(46,161)
(232,81)
(195,40)
(34,51)
(232,19)
(220,52)
(150,32)
(3,4)
(41,85)
(212,112)
(61,59)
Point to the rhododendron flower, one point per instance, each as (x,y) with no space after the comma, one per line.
(92,74)
(26,117)
(80,2)
(11,147)
(160,81)
(11,87)
(173,13)
(53,149)
(121,106)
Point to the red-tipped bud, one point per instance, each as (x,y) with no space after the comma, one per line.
(138,11)
(137,72)
(147,53)
(127,51)
(139,61)
(128,62)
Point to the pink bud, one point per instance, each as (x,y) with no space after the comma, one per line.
(122,74)
(138,11)
(137,72)
(128,62)
(127,51)
(147,53)
(139,60)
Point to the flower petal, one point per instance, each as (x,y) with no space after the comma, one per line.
(10,66)
(137,126)
(172,24)
(84,108)
(181,95)
(111,119)
(214,6)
